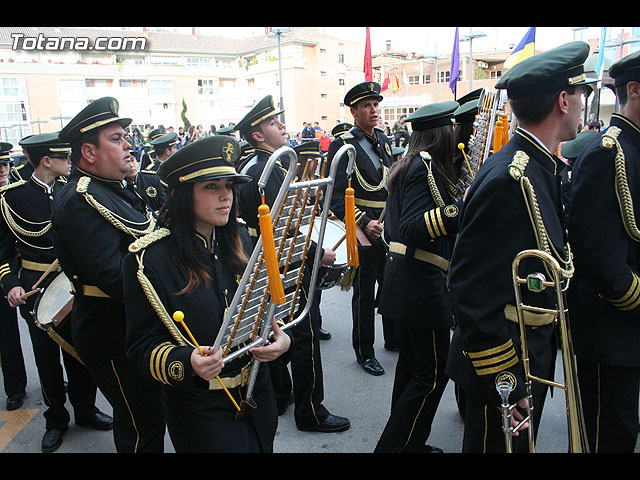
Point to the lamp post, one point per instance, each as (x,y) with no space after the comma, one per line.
(278,32)
(435,57)
(469,38)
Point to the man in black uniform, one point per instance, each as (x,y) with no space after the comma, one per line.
(147,184)
(95,218)
(163,147)
(14,373)
(513,204)
(25,233)
(371,165)
(262,129)
(148,156)
(604,296)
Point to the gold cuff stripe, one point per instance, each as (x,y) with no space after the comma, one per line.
(498,368)
(428,224)
(631,299)
(492,351)
(158,361)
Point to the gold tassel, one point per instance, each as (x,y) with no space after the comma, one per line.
(269,250)
(497,137)
(350,226)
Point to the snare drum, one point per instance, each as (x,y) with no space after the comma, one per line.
(53,305)
(334,238)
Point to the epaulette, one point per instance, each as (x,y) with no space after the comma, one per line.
(19,183)
(346,136)
(608,140)
(83,184)
(518,164)
(148,239)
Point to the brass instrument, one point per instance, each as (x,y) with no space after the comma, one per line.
(537,282)
(248,319)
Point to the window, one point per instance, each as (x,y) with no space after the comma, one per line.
(495,74)
(198,61)
(160,87)
(208,87)
(426,79)
(414,79)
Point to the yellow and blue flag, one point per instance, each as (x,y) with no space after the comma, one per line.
(525,49)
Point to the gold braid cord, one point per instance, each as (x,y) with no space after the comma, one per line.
(367,186)
(516,170)
(112,218)
(137,248)
(8,214)
(433,187)
(609,140)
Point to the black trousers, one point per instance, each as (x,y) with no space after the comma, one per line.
(14,373)
(81,387)
(306,379)
(610,403)
(363,302)
(138,416)
(417,389)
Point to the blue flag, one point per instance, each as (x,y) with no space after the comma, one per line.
(600,61)
(454,72)
(525,49)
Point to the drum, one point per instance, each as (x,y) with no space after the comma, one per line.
(53,305)
(334,238)
(52,312)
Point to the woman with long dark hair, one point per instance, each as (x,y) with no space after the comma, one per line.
(191,265)
(420,227)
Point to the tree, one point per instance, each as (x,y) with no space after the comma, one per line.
(183,115)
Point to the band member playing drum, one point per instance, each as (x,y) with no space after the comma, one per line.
(513,204)
(95,217)
(421,222)
(192,265)
(26,237)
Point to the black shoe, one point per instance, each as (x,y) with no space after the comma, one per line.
(52,440)
(15,401)
(330,424)
(323,334)
(371,365)
(97,421)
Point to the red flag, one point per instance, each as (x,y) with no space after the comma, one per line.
(368,68)
(385,83)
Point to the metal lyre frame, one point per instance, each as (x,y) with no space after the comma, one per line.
(537,282)
(247,321)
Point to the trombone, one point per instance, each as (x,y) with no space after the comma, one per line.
(537,282)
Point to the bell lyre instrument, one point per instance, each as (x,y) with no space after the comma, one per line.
(248,319)
(481,142)
(536,283)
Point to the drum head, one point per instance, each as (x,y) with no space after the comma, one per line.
(333,233)
(55,297)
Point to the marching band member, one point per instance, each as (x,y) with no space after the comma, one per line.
(515,185)
(25,233)
(261,128)
(604,296)
(95,217)
(420,225)
(192,265)
(371,164)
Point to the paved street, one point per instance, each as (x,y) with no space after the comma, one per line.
(349,392)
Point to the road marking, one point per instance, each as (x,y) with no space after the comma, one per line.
(11,423)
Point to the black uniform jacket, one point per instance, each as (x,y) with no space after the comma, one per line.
(25,232)
(495,226)
(249,198)
(161,349)
(373,154)
(148,186)
(604,297)
(94,221)
(414,286)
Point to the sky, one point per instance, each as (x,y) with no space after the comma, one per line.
(438,40)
